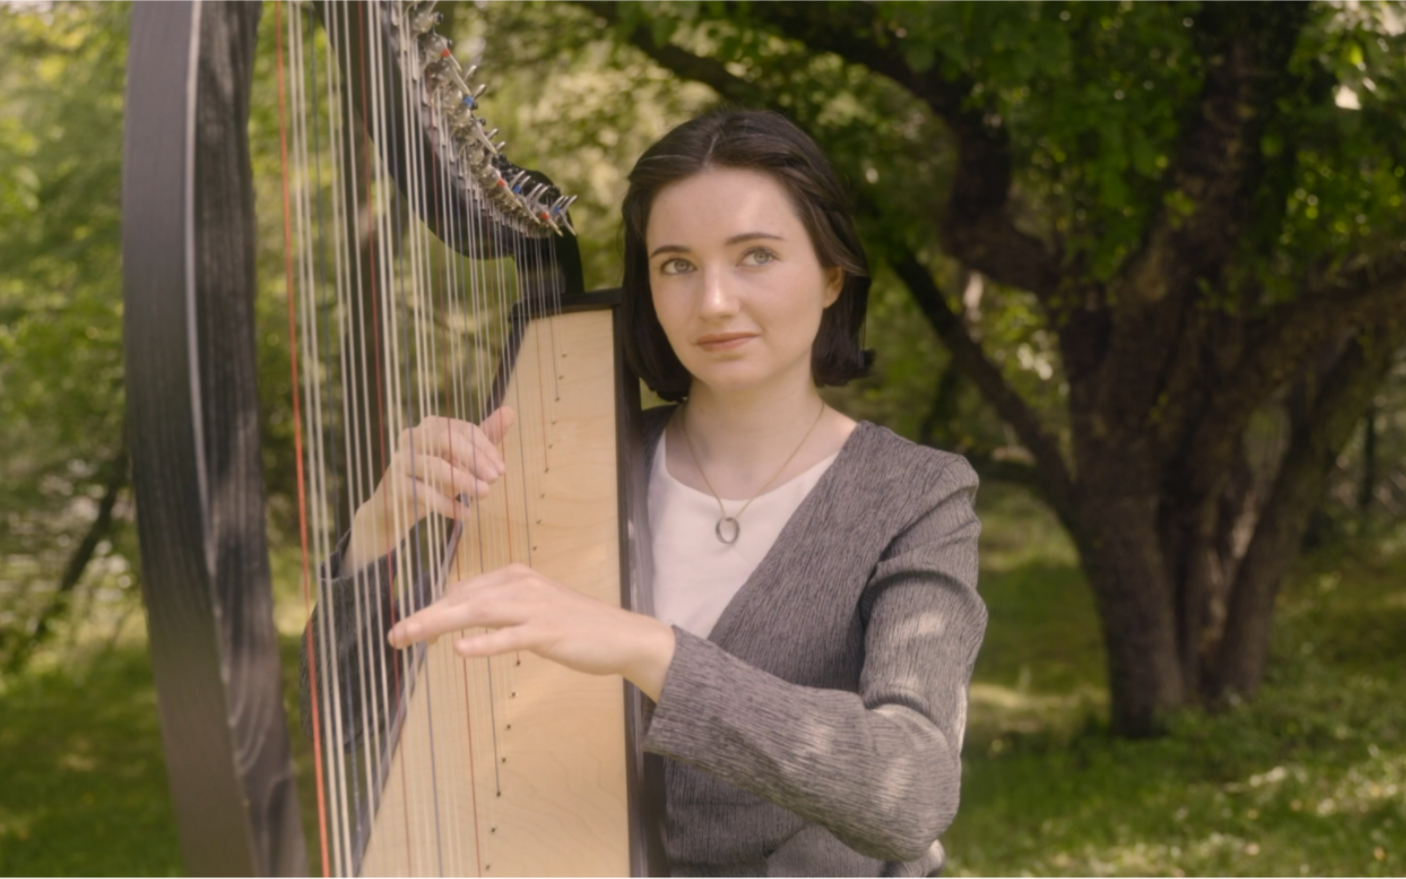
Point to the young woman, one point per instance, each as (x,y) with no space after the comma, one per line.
(815,579)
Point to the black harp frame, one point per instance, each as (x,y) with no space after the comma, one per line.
(188,285)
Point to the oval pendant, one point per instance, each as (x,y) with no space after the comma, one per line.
(728,530)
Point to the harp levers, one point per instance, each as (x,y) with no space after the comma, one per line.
(426,281)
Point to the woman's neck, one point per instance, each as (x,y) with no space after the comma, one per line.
(723,423)
(741,439)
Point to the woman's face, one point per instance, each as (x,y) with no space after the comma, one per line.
(735,280)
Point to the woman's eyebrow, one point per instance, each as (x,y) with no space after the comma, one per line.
(749,236)
(736,239)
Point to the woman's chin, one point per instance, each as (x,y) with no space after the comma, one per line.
(735,378)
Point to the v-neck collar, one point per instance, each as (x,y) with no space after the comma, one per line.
(794,529)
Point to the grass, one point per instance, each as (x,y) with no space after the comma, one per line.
(82,781)
(1310,778)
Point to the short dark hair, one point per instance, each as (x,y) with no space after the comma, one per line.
(772,144)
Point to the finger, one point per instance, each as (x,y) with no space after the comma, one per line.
(448,479)
(427,499)
(497,425)
(494,643)
(468,445)
(430,623)
(446,616)
(454,440)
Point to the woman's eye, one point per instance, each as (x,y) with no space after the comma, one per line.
(676,266)
(758,256)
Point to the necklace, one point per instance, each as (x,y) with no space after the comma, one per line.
(729,528)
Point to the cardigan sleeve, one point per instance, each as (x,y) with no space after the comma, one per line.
(881,768)
(348,626)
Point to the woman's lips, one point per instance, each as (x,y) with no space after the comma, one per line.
(724,341)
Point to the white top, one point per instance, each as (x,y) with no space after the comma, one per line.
(695,574)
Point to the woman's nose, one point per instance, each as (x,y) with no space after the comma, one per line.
(719,300)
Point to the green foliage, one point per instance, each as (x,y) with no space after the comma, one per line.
(1333,150)
(61,409)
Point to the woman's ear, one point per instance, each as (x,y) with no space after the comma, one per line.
(834,283)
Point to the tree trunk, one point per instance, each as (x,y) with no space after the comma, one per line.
(1346,393)
(1122,557)
(1368,487)
(1135,611)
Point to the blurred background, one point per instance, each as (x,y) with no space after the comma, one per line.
(1144,264)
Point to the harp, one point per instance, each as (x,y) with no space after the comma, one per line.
(426,275)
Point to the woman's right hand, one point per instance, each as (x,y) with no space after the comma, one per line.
(436,465)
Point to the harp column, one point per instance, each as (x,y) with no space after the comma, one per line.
(188,287)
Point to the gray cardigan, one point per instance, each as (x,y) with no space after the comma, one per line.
(818,730)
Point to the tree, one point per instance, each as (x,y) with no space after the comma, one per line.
(1199,208)
(64,500)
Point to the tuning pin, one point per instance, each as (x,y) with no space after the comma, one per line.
(482,139)
(425,20)
(498,147)
(478,92)
(489,134)
(469,73)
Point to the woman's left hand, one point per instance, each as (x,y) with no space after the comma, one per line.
(524,610)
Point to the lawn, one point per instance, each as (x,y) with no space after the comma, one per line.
(1310,778)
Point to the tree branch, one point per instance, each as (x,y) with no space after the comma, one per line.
(116,476)
(976,228)
(1195,233)
(1056,484)
(1346,393)
(1247,51)
(1370,292)
(709,71)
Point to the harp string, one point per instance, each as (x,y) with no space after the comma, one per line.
(400,413)
(449,667)
(393,327)
(348,236)
(288,249)
(322,320)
